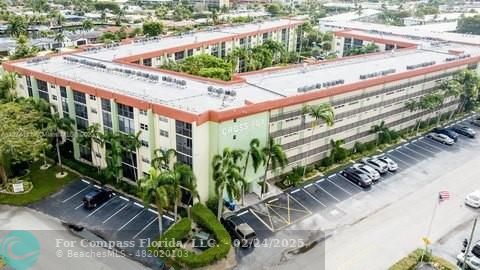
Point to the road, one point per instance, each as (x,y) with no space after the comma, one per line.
(373,229)
(48,231)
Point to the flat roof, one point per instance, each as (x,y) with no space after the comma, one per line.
(170,42)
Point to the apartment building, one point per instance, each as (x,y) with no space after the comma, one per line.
(199,117)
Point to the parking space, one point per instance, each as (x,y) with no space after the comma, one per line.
(118,219)
(324,194)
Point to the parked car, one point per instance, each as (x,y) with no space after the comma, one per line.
(368,170)
(96,198)
(472,262)
(392,165)
(441,138)
(239,229)
(447,131)
(476,249)
(465,131)
(473,199)
(378,165)
(358,177)
(476,122)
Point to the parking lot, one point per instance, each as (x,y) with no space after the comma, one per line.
(323,195)
(119,219)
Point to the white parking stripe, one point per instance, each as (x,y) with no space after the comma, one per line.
(346,191)
(114,214)
(80,205)
(313,197)
(101,207)
(144,228)
(69,198)
(123,198)
(321,180)
(414,140)
(428,150)
(139,205)
(242,213)
(432,143)
(408,156)
(398,147)
(328,193)
(128,222)
(400,160)
(309,185)
(97,186)
(332,175)
(167,217)
(274,200)
(421,154)
(151,210)
(389,151)
(295,191)
(261,220)
(85,181)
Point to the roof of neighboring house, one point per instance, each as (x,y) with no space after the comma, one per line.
(82,35)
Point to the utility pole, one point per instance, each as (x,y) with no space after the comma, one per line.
(469,244)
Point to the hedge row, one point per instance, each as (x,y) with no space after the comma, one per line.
(411,261)
(206,219)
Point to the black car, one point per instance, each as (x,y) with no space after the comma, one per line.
(239,229)
(358,177)
(448,132)
(465,131)
(96,198)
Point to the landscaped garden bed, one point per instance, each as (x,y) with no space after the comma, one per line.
(418,256)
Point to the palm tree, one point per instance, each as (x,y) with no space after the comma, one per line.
(471,85)
(227,175)
(451,88)
(274,157)
(255,153)
(162,159)
(156,189)
(60,124)
(59,38)
(183,176)
(337,152)
(8,85)
(214,16)
(381,130)
(92,134)
(319,112)
(113,155)
(131,144)
(413,105)
(17,26)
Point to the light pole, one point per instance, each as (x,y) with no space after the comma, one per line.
(469,244)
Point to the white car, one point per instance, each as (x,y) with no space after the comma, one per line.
(378,165)
(441,138)
(392,165)
(472,261)
(368,170)
(473,199)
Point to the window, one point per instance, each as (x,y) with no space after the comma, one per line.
(184,145)
(63,91)
(107,119)
(93,110)
(163,133)
(79,97)
(234,137)
(144,143)
(143,112)
(190,52)
(125,110)
(43,95)
(183,128)
(54,97)
(52,86)
(85,153)
(42,85)
(82,124)
(163,119)
(144,126)
(179,55)
(106,106)
(93,97)
(126,125)
(81,110)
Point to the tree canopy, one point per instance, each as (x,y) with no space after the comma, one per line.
(469,25)
(152,28)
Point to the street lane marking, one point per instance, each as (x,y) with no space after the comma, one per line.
(85,181)
(101,207)
(313,197)
(128,222)
(328,193)
(144,228)
(114,214)
(69,198)
(346,191)
(80,205)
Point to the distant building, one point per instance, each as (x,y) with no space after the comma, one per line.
(82,38)
(205,4)
(437,18)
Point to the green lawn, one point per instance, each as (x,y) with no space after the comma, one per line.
(44,184)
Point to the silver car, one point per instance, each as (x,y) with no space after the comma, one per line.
(375,163)
(367,170)
(441,138)
(392,165)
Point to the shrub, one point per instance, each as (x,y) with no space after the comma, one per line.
(413,259)
(326,162)
(177,231)
(212,204)
(359,147)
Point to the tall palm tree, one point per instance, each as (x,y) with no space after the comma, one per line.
(183,178)
(274,157)
(227,175)
(156,189)
(60,124)
(90,136)
(255,153)
(163,158)
(471,86)
(412,105)
(113,155)
(337,152)
(87,25)
(8,85)
(131,144)
(59,38)
(322,112)
(381,130)
(451,88)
